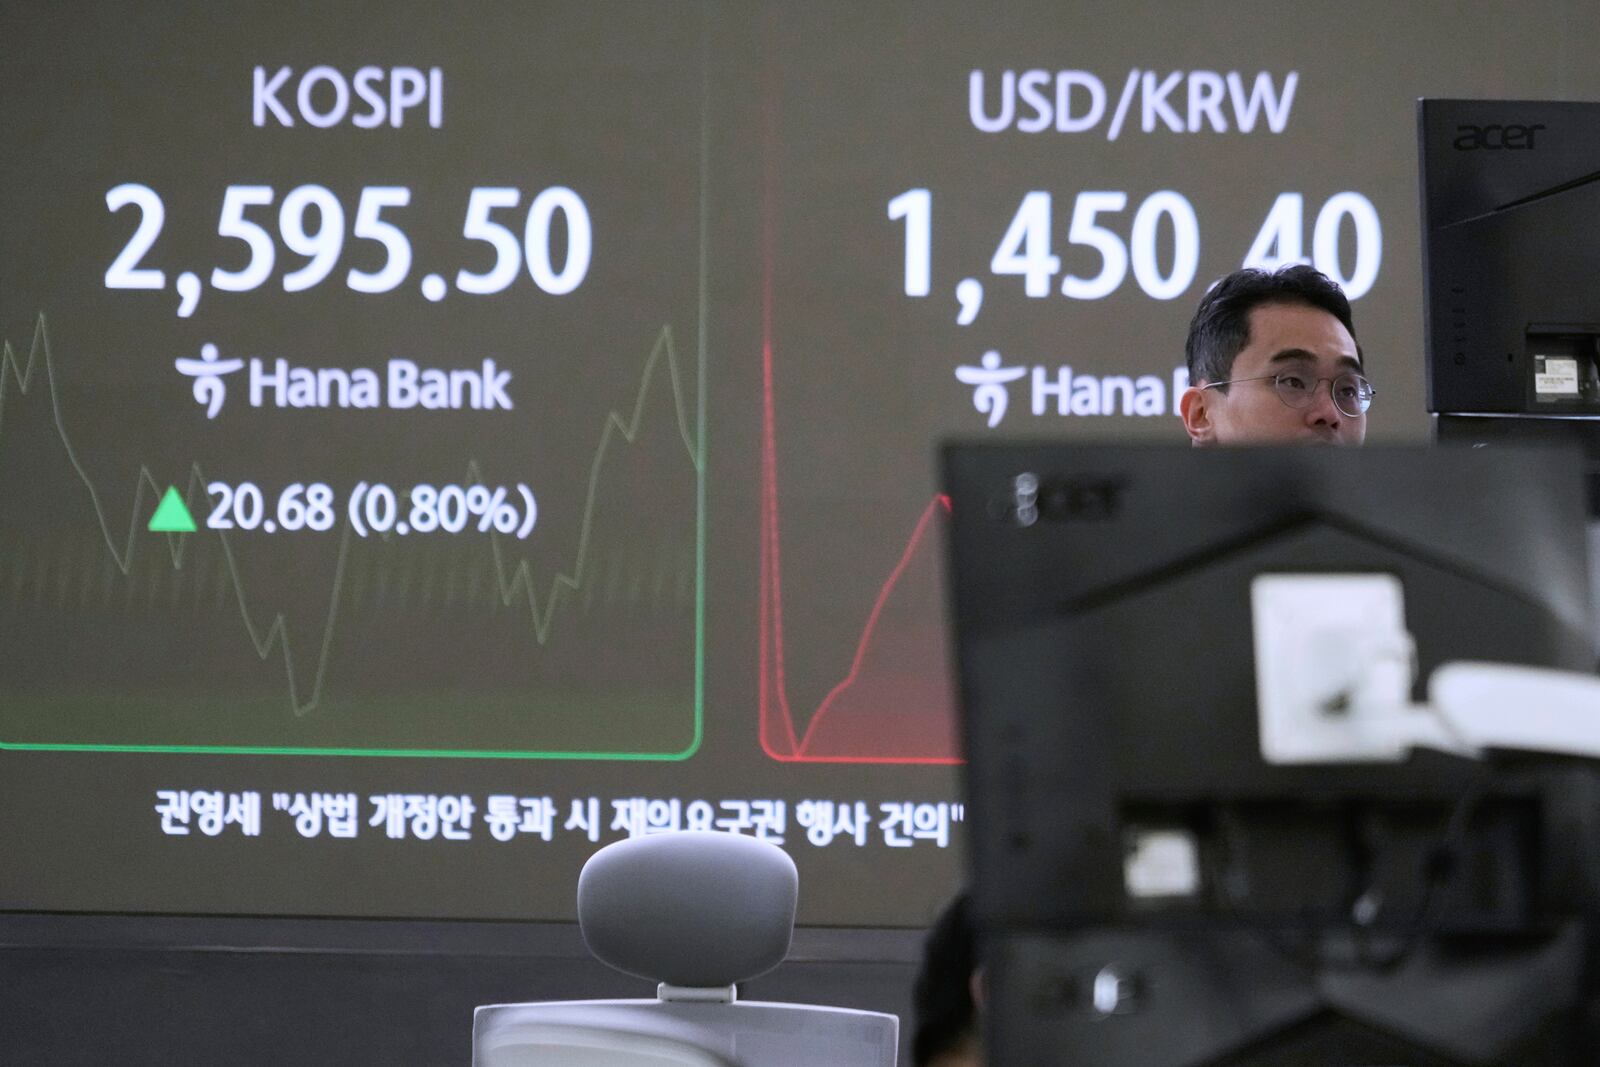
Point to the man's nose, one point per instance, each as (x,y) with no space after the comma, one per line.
(1323,411)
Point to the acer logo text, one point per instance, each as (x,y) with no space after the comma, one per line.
(1495,138)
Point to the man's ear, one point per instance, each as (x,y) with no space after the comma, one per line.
(1194,406)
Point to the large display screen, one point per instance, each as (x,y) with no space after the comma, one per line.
(436,441)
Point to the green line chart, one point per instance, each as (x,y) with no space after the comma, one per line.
(376,576)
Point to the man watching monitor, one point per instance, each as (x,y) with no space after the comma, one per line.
(1261,347)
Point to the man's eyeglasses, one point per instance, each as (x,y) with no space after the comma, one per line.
(1352,394)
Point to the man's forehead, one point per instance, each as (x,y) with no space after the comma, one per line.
(1283,332)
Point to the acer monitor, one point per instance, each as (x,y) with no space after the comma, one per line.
(1510,190)
(1148,889)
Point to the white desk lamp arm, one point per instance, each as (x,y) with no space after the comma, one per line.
(1496,705)
(1335,667)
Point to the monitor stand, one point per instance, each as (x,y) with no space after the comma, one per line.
(1481,429)
(1580,431)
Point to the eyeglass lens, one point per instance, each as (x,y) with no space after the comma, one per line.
(1352,394)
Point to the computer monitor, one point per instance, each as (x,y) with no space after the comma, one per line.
(1148,889)
(1510,190)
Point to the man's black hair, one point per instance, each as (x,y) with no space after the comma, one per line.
(1220,328)
(942,999)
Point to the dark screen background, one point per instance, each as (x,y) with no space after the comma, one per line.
(730,601)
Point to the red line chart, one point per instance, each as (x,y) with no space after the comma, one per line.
(882,710)
(895,703)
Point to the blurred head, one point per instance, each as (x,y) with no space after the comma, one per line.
(1273,359)
(944,1000)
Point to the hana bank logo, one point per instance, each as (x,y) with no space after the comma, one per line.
(1061,390)
(207,372)
(989,381)
(400,385)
